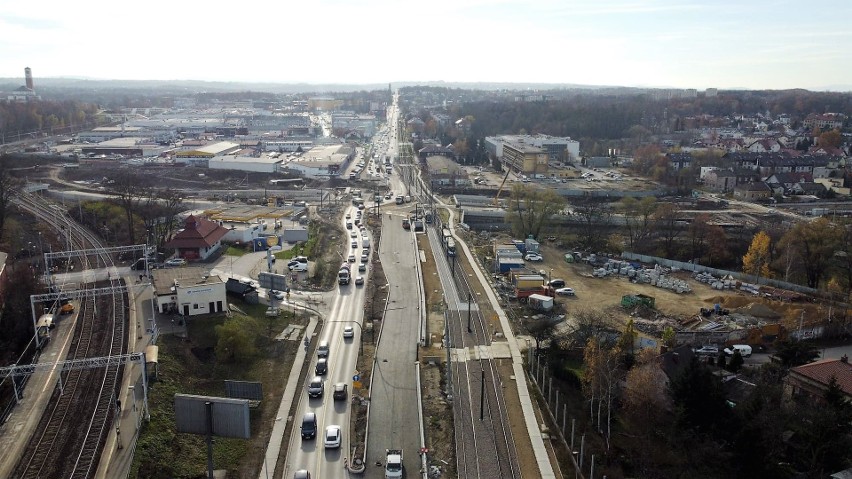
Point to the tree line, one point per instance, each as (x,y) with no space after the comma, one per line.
(18,118)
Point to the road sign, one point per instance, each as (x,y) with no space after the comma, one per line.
(356,378)
(356,385)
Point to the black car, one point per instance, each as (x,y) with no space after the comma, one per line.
(556,283)
(309,425)
(322,366)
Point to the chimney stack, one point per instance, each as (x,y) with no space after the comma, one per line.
(28,75)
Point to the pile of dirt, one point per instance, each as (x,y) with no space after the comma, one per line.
(758,310)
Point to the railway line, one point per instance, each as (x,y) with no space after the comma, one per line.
(485,447)
(74,427)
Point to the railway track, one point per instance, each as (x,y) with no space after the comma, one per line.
(485,447)
(74,427)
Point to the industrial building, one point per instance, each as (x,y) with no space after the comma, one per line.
(255,164)
(525,150)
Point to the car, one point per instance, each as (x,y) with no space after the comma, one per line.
(744,349)
(176,262)
(302,474)
(316,387)
(323,349)
(340,391)
(353,234)
(298,267)
(332,437)
(322,367)
(565,291)
(348,216)
(556,283)
(707,350)
(349,225)
(348,332)
(354,245)
(533,257)
(351,258)
(362,268)
(359,281)
(309,425)
(365,258)
(279,295)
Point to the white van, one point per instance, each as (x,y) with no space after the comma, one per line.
(744,349)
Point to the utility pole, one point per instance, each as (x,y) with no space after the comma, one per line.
(482,396)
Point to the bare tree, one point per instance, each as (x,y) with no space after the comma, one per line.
(668,227)
(531,208)
(129,190)
(593,215)
(638,220)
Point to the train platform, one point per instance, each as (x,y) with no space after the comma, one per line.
(24,418)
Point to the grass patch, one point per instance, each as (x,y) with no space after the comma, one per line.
(235,251)
(191,366)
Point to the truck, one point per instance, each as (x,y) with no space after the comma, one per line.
(344,275)
(540,302)
(393,463)
(523,295)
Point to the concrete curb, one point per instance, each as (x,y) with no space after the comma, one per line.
(423,469)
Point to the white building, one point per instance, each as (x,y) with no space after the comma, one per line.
(558,148)
(189,291)
(260,164)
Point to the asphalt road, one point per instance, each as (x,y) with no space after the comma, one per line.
(347,308)
(394,422)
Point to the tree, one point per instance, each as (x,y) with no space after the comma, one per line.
(794,353)
(600,380)
(668,227)
(813,245)
(736,362)
(700,401)
(756,260)
(645,400)
(233,342)
(638,216)
(531,208)
(7,190)
(830,139)
(541,330)
(593,215)
(129,190)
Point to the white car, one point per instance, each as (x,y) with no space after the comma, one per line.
(332,437)
(353,235)
(176,262)
(348,332)
(299,267)
(565,291)
(533,257)
(279,295)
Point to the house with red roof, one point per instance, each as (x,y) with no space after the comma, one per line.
(198,239)
(810,381)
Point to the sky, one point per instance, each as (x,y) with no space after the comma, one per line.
(754,44)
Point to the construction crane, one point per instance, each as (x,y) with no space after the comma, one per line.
(500,190)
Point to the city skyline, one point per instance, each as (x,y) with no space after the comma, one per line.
(656,43)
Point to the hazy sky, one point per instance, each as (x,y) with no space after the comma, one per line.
(674,43)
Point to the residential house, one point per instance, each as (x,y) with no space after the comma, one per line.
(785,181)
(756,191)
(765,145)
(720,180)
(198,240)
(810,381)
(824,121)
(434,150)
(679,161)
